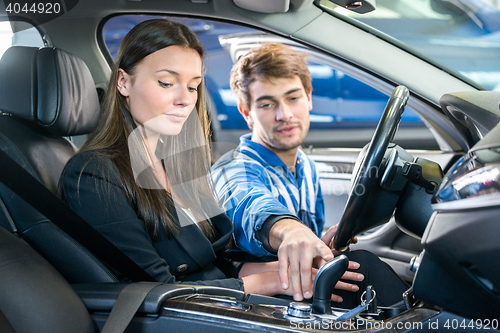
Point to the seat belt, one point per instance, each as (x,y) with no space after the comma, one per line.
(31,190)
(128,302)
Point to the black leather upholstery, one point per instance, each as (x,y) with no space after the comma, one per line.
(34,297)
(49,87)
(46,94)
(5,326)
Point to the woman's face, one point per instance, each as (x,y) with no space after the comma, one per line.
(163,90)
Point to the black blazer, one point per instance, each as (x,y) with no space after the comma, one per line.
(102,202)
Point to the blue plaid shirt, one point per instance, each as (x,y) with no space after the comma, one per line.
(254,184)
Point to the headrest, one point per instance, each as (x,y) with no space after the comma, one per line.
(49,87)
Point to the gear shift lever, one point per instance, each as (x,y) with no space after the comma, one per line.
(325,281)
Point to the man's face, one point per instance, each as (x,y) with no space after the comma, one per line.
(279,113)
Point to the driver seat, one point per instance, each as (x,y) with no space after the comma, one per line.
(46,96)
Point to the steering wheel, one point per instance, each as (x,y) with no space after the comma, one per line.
(365,177)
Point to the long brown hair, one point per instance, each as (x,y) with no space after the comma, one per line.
(109,139)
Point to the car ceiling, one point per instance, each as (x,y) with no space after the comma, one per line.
(304,22)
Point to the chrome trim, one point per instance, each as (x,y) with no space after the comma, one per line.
(299,310)
(223,320)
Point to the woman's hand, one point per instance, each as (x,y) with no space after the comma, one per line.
(266,283)
(265,280)
(250,268)
(327,238)
(351,276)
(262,276)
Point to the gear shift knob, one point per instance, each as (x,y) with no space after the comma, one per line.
(325,281)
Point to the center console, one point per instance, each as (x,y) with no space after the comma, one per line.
(182,308)
(192,308)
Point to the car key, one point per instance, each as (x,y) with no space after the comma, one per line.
(357,310)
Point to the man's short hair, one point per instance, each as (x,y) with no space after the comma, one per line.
(267,62)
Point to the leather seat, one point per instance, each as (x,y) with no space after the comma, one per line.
(34,297)
(46,96)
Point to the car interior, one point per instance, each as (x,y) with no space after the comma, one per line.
(433,221)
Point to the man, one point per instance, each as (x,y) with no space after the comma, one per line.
(269,187)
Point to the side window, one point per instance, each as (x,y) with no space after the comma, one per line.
(25,35)
(345,110)
(340,101)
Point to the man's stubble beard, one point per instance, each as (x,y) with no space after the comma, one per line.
(276,143)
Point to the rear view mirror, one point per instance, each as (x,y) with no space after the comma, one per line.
(282,6)
(358,6)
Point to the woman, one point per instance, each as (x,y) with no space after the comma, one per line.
(141,179)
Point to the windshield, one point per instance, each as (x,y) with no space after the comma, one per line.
(463,35)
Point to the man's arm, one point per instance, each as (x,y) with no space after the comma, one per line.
(247,196)
(300,250)
(297,247)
